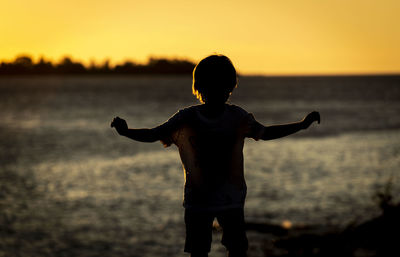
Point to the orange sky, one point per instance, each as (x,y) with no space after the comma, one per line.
(260,36)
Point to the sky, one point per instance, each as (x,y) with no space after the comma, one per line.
(261,37)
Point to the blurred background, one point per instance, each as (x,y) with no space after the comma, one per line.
(70,186)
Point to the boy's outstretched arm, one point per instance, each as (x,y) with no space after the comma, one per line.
(278,131)
(142,135)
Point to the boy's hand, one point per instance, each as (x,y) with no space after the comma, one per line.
(310,118)
(120,125)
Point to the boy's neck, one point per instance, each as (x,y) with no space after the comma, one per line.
(212,110)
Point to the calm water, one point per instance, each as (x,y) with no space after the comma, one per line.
(71,186)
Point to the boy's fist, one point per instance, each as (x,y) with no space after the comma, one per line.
(120,125)
(310,118)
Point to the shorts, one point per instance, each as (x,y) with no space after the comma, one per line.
(199,230)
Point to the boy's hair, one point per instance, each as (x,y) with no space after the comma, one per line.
(214,74)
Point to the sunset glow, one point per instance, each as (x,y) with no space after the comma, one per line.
(260,36)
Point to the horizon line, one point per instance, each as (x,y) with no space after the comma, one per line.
(333,74)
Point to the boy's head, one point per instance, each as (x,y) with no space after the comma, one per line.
(214,79)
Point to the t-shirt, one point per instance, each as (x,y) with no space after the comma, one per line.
(211,151)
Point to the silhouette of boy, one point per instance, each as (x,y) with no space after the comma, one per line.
(210,139)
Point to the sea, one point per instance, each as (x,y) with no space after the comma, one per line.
(71,186)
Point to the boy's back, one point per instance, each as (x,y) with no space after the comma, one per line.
(211,150)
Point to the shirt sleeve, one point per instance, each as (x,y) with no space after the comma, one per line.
(249,126)
(254,129)
(167,130)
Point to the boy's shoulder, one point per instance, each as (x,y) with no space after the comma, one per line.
(237,109)
(194,109)
(188,111)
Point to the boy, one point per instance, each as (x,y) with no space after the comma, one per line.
(210,139)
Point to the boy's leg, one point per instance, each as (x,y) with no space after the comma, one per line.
(198,233)
(199,255)
(237,254)
(234,232)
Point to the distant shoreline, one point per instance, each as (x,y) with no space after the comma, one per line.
(24,65)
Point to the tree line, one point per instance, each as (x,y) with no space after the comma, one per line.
(24,65)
